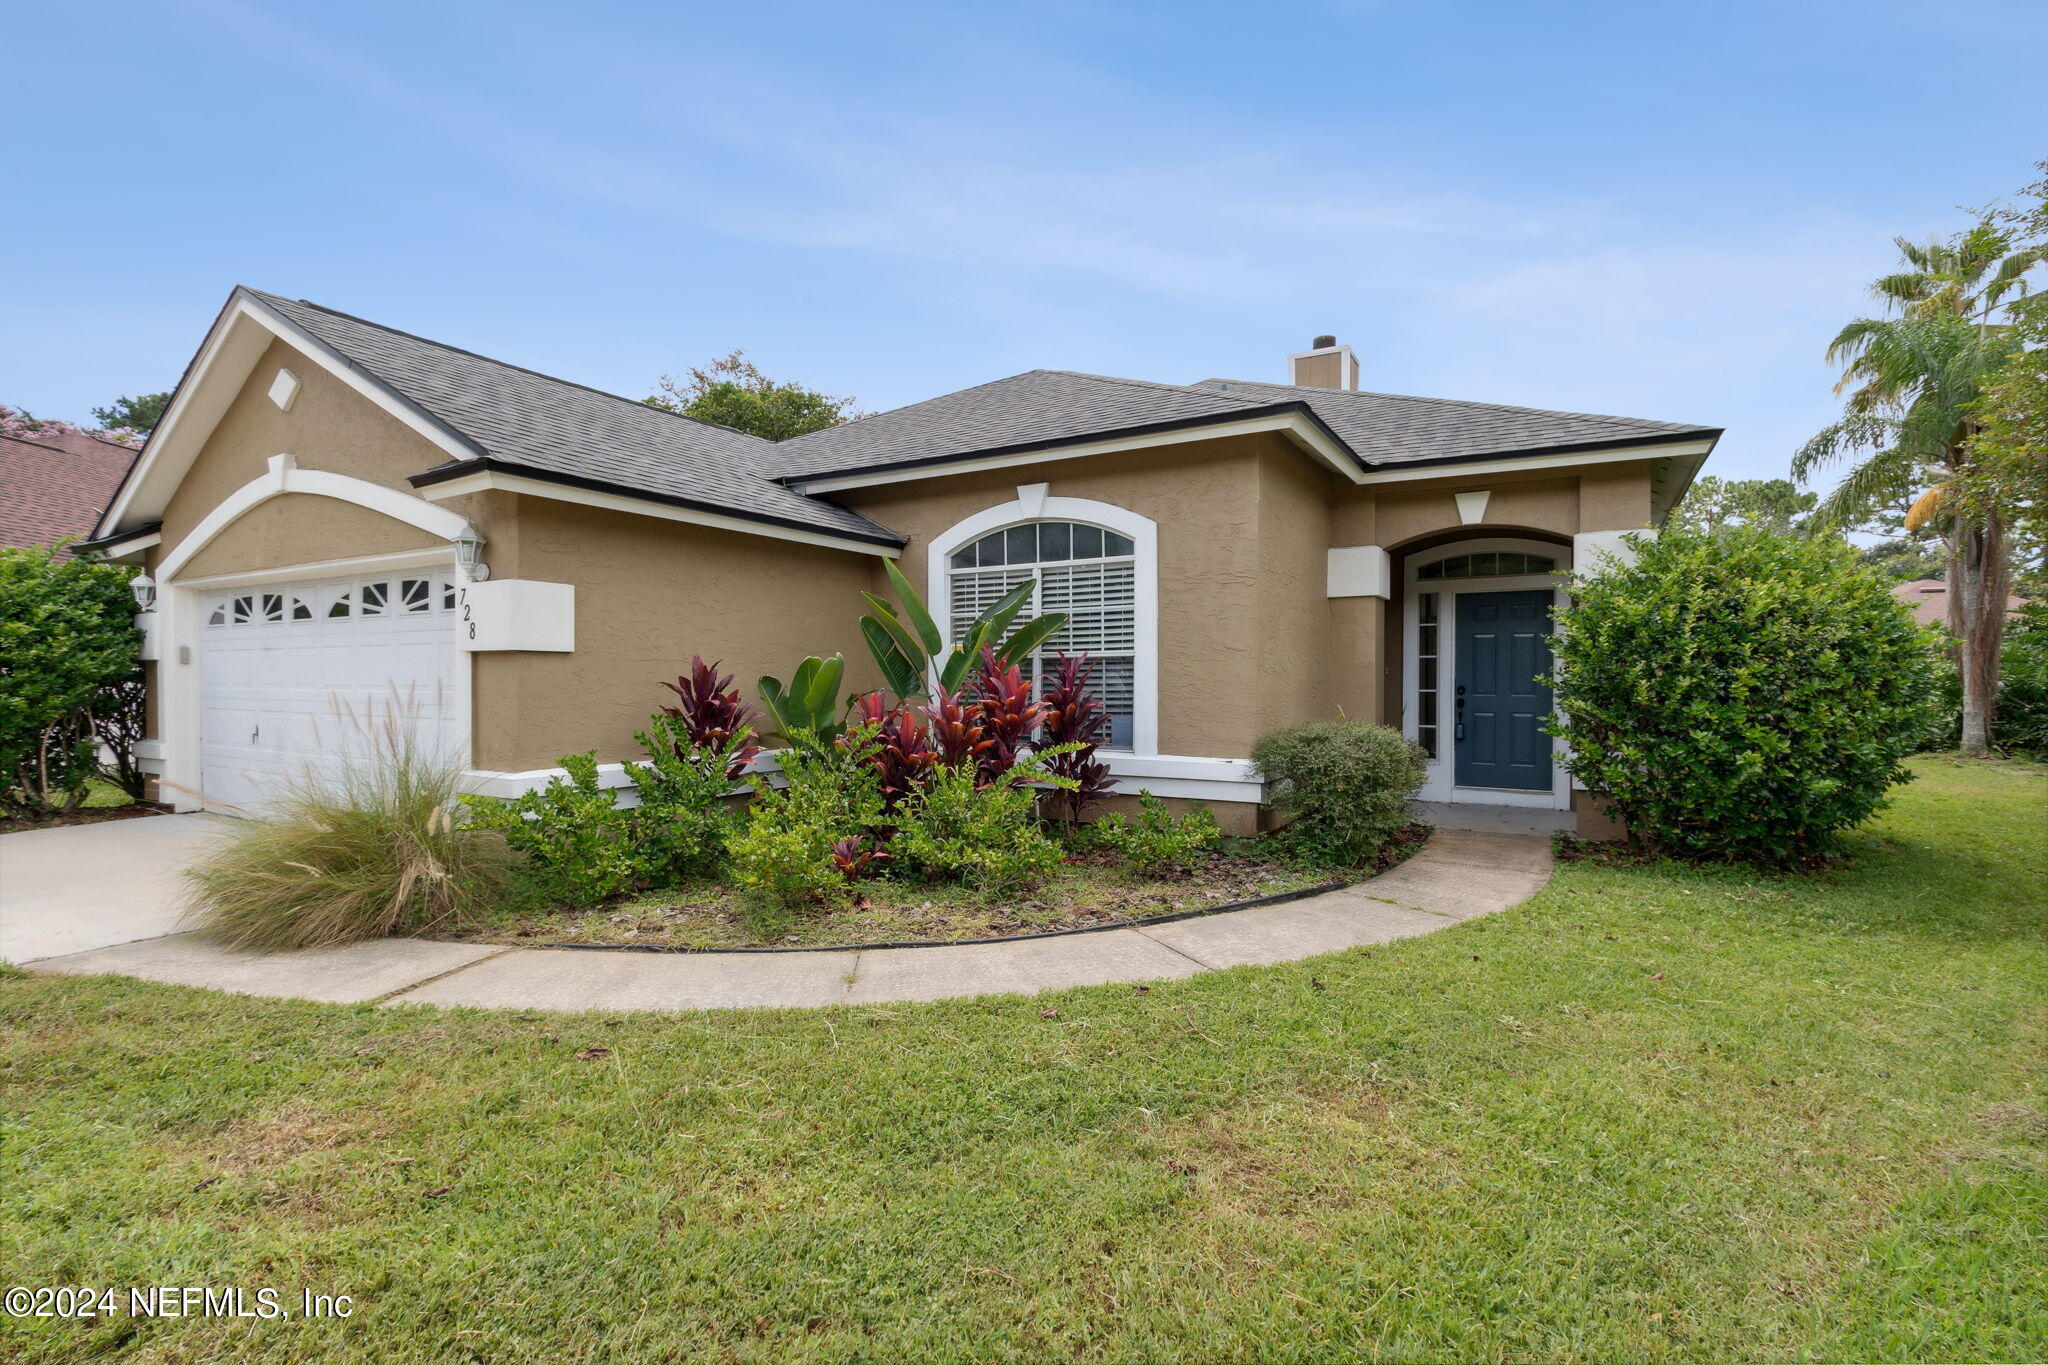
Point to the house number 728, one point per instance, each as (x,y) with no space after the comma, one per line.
(462,599)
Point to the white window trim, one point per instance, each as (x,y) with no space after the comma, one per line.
(1440,780)
(1033,503)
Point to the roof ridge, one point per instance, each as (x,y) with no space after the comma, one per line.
(1135,383)
(1464,403)
(60,450)
(506,364)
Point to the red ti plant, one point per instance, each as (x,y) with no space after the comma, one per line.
(712,713)
(1074,715)
(957,734)
(905,754)
(1010,714)
(856,857)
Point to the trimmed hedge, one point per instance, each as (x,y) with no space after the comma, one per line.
(1344,786)
(1743,697)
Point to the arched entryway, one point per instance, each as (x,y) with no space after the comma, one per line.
(1472,636)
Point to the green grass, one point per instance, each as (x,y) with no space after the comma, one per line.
(1657,1113)
(1083,892)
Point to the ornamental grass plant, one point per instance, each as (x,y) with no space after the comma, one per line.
(370,844)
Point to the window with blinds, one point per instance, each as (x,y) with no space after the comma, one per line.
(1085,571)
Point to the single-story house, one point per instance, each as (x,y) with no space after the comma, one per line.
(331,507)
(55,482)
(1928,597)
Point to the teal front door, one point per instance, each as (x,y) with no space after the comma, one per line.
(1498,706)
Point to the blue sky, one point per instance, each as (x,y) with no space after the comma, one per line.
(1659,210)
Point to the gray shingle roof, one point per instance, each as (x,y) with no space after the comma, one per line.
(516,417)
(1037,407)
(1391,428)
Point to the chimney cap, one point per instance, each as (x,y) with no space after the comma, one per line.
(1323,342)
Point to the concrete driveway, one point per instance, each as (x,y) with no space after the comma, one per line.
(92,886)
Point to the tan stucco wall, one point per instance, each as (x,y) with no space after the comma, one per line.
(650,593)
(330,427)
(304,528)
(1205,498)
(1291,621)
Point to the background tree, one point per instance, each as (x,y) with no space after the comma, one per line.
(1915,381)
(1712,506)
(732,392)
(67,635)
(139,415)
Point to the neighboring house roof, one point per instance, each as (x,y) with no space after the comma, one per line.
(54,485)
(516,419)
(1392,428)
(1928,597)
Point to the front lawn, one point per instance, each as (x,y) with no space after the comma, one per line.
(1657,1113)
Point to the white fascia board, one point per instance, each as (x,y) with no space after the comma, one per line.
(491,479)
(1400,474)
(1294,426)
(239,337)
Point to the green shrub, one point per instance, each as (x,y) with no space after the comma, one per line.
(685,816)
(1745,697)
(2022,724)
(1342,785)
(1157,843)
(784,853)
(67,636)
(572,833)
(986,836)
(376,845)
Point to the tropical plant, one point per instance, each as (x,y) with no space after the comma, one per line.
(1010,713)
(686,814)
(712,712)
(809,707)
(374,845)
(907,643)
(1915,382)
(1342,786)
(1157,842)
(67,635)
(858,856)
(903,753)
(1074,715)
(731,392)
(1745,697)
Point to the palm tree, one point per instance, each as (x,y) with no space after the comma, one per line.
(1913,382)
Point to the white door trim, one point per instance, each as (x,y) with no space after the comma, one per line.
(1439,782)
(179,699)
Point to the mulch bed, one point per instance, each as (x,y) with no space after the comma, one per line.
(94,815)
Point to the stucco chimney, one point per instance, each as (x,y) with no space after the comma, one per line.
(1325,365)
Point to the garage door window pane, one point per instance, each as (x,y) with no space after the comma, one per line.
(243,611)
(375,596)
(300,611)
(416,594)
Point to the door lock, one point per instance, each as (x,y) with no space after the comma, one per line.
(259,730)
(1458,731)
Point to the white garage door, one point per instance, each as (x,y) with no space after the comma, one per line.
(281,668)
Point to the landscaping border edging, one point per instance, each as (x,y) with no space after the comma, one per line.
(1281,898)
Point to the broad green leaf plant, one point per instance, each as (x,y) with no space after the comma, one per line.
(810,704)
(906,641)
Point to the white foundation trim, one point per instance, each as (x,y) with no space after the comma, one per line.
(1198,779)
(284,476)
(1594,551)
(1440,781)
(487,480)
(1358,571)
(1144,534)
(1292,425)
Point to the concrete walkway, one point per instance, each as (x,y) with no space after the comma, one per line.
(86,886)
(1457,876)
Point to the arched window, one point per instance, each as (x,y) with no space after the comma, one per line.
(1088,572)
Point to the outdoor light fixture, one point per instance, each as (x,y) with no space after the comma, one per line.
(469,555)
(144,588)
